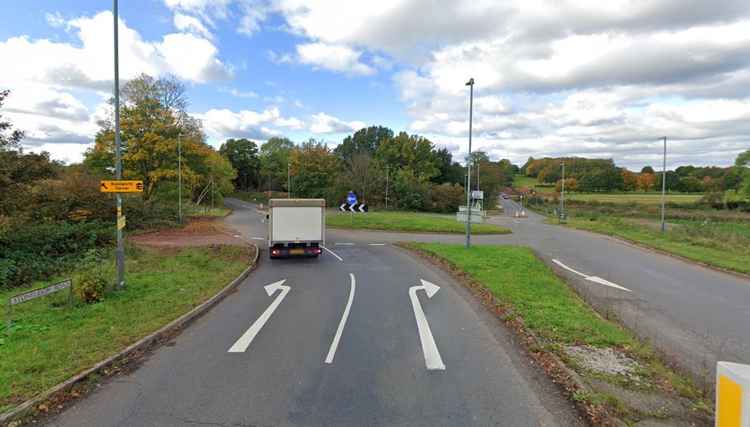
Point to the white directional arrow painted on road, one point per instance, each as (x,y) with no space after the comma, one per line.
(594,279)
(244,342)
(432,358)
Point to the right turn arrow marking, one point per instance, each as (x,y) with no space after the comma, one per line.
(244,342)
(432,358)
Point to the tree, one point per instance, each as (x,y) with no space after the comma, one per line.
(311,165)
(629,180)
(150,123)
(411,152)
(646,181)
(243,155)
(648,170)
(9,137)
(364,141)
(571,184)
(362,174)
(274,160)
(743,162)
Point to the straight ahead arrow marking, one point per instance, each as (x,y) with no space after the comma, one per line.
(432,358)
(244,342)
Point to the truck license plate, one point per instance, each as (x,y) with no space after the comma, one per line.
(296,251)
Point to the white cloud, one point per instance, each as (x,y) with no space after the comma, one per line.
(221,124)
(333,57)
(191,24)
(323,123)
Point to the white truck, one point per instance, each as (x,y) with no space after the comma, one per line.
(296,227)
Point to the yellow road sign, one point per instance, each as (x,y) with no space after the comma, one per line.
(121,222)
(120,186)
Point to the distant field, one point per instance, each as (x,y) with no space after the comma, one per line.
(407,222)
(520,181)
(642,198)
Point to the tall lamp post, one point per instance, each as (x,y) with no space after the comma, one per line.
(562,194)
(179,176)
(120,251)
(470,83)
(664,186)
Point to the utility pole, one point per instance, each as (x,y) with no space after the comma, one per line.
(120,251)
(562,194)
(664,185)
(179,177)
(470,83)
(387,170)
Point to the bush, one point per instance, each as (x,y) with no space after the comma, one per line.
(445,198)
(35,251)
(90,285)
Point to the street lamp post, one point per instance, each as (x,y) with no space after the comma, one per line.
(470,83)
(120,251)
(179,177)
(562,194)
(664,186)
(288,181)
(387,171)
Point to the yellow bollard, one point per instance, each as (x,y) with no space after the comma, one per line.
(732,395)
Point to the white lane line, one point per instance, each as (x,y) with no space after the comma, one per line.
(340,330)
(244,341)
(377,244)
(569,269)
(343,244)
(594,279)
(332,253)
(432,358)
(605,282)
(258,238)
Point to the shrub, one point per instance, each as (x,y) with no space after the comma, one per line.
(90,285)
(35,251)
(445,198)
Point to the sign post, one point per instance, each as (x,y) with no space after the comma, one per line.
(119,186)
(351,198)
(38,293)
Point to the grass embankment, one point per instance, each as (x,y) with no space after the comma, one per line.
(50,342)
(720,244)
(555,314)
(417,222)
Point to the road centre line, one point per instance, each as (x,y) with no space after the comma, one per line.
(342,323)
(258,238)
(594,279)
(377,244)
(332,253)
(343,244)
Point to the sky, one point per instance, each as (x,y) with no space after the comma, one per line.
(589,78)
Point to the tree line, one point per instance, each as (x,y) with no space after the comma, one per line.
(374,162)
(602,175)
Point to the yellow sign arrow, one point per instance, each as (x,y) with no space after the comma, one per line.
(120,186)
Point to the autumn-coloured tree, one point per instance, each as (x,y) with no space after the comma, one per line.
(646,181)
(629,180)
(313,168)
(151,122)
(571,184)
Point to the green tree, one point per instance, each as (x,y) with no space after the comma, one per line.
(310,166)
(364,141)
(243,155)
(743,162)
(9,137)
(151,120)
(274,160)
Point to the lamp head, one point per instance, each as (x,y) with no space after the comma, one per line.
(470,82)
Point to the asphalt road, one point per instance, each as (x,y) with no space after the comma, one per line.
(383,369)
(694,314)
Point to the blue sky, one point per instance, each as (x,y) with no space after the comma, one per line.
(579,78)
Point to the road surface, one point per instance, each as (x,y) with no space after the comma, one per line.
(366,335)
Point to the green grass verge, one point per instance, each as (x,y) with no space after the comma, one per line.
(639,198)
(547,305)
(408,222)
(200,211)
(723,245)
(257,196)
(555,313)
(50,342)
